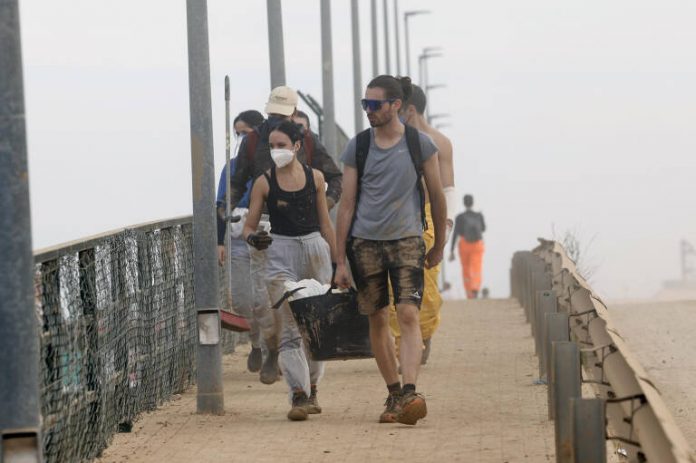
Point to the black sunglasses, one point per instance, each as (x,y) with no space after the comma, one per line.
(374,105)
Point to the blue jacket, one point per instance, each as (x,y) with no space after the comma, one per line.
(220,200)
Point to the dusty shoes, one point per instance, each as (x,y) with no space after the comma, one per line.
(413,408)
(391,410)
(300,403)
(254,360)
(313,406)
(269,370)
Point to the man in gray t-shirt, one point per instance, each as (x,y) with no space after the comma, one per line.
(385,243)
(389,207)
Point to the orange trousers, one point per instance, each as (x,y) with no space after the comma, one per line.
(471,258)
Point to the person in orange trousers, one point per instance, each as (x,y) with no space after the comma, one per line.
(469,225)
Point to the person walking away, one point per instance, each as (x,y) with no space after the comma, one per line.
(301,246)
(412,113)
(380,224)
(253,160)
(245,301)
(468,228)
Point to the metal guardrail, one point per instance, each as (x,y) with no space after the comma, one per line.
(118,333)
(634,410)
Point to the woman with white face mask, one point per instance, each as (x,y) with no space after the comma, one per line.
(301,246)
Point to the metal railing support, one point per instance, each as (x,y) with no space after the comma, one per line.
(209,350)
(556,331)
(565,382)
(546,304)
(20,422)
(588,431)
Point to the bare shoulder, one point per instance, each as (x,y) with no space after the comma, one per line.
(443,142)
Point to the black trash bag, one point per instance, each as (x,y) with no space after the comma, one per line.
(331,325)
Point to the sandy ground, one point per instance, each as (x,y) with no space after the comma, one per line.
(483,407)
(662,336)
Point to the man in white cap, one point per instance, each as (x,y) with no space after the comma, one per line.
(253,160)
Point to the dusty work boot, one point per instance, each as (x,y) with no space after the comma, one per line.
(299,411)
(313,406)
(269,370)
(413,408)
(392,408)
(254,360)
(426,351)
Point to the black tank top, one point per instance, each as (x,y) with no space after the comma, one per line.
(292,213)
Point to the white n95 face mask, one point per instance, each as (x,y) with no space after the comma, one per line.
(282,157)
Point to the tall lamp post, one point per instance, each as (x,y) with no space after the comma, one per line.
(426,90)
(209,397)
(20,399)
(396,36)
(407,39)
(426,54)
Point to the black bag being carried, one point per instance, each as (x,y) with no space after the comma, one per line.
(331,325)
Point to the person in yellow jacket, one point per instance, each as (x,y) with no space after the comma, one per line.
(413,115)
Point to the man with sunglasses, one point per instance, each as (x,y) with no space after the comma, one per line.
(380,227)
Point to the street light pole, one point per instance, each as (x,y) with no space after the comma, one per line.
(276,48)
(375,39)
(357,68)
(209,397)
(329,128)
(396,35)
(407,37)
(20,420)
(387,59)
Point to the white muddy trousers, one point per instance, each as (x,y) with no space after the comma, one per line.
(294,259)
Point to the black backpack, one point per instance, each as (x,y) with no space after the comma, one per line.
(362,148)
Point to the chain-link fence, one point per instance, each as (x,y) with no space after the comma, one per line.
(118,333)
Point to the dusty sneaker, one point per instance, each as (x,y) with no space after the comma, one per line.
(254,360)
(269,370)
(298,412)
(313,406)
(412,408)
(391,410)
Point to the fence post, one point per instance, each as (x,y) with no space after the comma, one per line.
(540,281)
(20,420)
(546,304)
(588,431)
(566,385)
(556,331)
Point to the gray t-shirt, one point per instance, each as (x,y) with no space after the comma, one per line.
(389,204)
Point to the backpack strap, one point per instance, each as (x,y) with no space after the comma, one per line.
(252,139)
(414,149)
(362,147)
(308,143)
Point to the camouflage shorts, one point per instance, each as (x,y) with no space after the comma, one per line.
(376,263)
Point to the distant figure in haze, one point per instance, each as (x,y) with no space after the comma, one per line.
(470,226)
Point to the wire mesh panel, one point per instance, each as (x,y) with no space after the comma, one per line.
(118,334)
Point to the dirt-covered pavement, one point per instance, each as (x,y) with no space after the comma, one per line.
(482,407)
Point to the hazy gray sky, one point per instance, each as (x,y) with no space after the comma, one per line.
(574,115)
